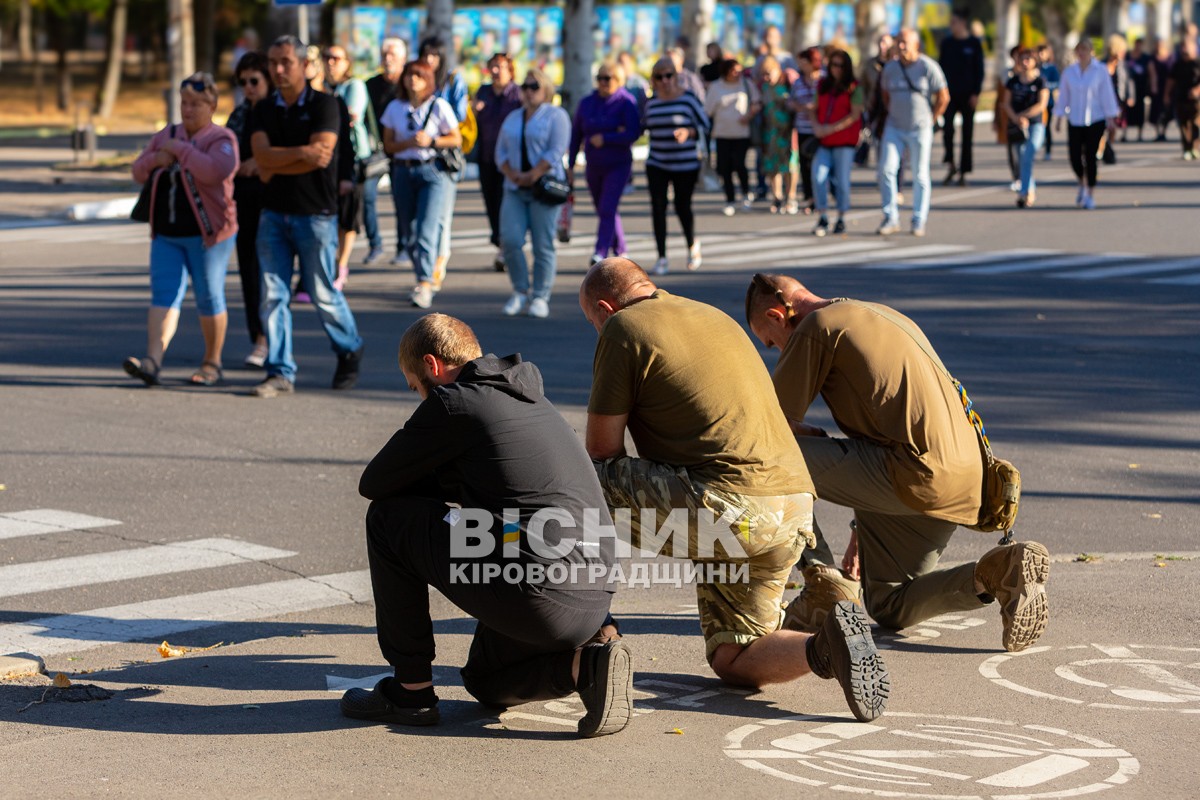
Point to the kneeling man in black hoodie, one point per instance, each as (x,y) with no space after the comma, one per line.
(488,495)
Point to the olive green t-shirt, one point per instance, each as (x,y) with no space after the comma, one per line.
(880,385)
(698,396)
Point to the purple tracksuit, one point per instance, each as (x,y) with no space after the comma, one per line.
(609,166)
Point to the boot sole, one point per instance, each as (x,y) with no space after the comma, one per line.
(359,705)
(863,675)
(1027,612)
(615,674)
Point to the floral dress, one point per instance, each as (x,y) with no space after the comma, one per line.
(777,153)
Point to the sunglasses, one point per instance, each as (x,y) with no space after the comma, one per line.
(530,87)
(332,57)
(200,87)
(604,78)
(663,76)
(247,81)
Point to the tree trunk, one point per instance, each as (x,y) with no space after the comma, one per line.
(60,30)
(1008,36)
(870,24)
(106,96)
(804,23)
(578,52)
(908,17)
(439,22)
(1159,21)
(1115,16)
(25,32)
(696,25)
(1059,34)
(206,34)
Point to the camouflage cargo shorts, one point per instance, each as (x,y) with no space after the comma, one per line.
(771,533)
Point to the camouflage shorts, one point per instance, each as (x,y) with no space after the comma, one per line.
(771,533)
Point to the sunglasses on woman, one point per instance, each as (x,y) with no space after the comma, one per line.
(247,81)
(663,76)
(196,86)
(529,87)
(604,78)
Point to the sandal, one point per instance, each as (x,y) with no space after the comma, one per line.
(207,374)
(145,369)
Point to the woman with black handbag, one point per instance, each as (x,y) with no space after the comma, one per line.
(1025,100)
(530,152)
(419,131)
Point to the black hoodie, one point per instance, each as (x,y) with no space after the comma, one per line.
(491,440)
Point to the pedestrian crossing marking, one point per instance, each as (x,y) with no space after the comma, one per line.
(795,255)
(47,520)
(954,261)
(117,565)
(1052,262)
(1136,269)
(157,619)
(1182,280)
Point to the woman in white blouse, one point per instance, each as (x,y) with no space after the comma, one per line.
(1086,98)
(415,126)
(533,143)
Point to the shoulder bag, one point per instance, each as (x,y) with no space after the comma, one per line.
(548,190)
(141,209)
(378,163)
(446,159)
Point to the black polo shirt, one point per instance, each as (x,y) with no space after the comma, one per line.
(313,192)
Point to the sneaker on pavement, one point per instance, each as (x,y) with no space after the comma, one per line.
(596,259)
(401,259)
(1015,574)
(606,687)
(375,706)
(346,374)
(273,386)
(793,208)
(748,201)
(257,357)
(843,649)
(694,259)
(661,267)
(888,227)
(729,210)
(839,227)
(1089,203)
(918,231)
(498,263)
(517,304)
(824,587)
(539,308)
(822,228)
(422,295)
(373,255)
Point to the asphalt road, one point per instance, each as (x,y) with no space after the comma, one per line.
(201,516)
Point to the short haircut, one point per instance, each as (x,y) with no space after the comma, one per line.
(423,70)
(502,58)
(288,40)
(253,61)
(812,55)
(394,41)
(615,69)
(768,291)
(448,338)
(728,66)
(618,280)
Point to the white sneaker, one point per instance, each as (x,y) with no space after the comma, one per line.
(888,227)
(422,295)
(539,308)
(596,259)
(793,208)
(1015,186)
(661,267)
(1089,202)
(694,259)
(517,304)
(729,210)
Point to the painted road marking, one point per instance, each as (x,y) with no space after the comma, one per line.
(156,619)
(794,255)
(954,261)
(47,520)
(1134,269)
(119,565)
(1053,262)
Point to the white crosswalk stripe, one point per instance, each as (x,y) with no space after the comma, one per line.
(117,565)
(958,260)
(795,255)
(48,520)
(1040,264)
(1181,280)
(1172,265)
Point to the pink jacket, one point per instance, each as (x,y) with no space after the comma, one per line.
(212,161)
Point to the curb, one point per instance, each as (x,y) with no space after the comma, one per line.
(118,208)
(20,665)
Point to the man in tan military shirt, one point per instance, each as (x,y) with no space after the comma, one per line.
(714,445)
(911,466)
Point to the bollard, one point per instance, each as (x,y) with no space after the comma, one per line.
(83,138)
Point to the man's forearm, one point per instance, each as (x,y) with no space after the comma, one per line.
(277,159)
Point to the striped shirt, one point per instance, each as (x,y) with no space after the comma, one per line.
(803,94)
(660,121)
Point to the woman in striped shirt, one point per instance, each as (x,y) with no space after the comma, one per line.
(677,125)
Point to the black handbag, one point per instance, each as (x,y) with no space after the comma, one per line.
(141,209)
(547,190)
(379,163)
(446,159)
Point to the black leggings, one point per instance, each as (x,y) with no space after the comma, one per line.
(1083,141)
(491,184)
(525,638)
(247,193)
(731,158)
(1186,114)
(685,184)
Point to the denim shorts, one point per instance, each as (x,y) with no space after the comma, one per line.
(174,258)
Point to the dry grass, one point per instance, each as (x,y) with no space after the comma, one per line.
(140,107)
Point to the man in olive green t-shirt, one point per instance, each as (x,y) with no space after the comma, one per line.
(911,467)
(714,444)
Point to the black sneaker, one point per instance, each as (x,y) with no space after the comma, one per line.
(606,688)
(822,226)
(375,706)
(346,374)
(839,227)
(274,386)
(844,649)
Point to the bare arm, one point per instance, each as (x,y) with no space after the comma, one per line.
(605,437)
(941,102)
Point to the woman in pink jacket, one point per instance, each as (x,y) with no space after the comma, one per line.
(193,222)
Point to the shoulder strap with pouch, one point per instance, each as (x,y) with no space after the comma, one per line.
(912,88)
(1001,480)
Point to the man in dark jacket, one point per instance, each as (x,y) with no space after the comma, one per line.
(961,59)
(515,552)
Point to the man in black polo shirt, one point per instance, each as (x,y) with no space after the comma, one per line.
(294,134)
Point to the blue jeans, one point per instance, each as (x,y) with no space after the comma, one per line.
(521,214)
(835,163)
(448,201)
(371,214)
(174,258)
(1035,137)
(420,196)
(313,239)
(919,144)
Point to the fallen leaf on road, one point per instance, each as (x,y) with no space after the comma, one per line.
(61,681)
(1160,564)
(1154,516)
(1134,466)
(676,731)
(167,651)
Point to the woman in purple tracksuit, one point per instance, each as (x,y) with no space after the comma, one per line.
(606,124)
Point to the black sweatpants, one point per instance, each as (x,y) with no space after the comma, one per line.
(806,163)
(249,206)
(1082,142)
(966,161)
(658,179)
(491,184)
(525,639)
(731,158)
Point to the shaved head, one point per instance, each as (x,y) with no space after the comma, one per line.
(611,285)
(770,291)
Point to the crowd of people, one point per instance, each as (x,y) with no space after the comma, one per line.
(295,175)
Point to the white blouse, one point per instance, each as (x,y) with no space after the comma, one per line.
(1086,97)
(404,120)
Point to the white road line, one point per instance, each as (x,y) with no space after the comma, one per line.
(156,619)
(795,256)
(854,260)
(1053,262)
(1135,269)
(750,243)
(954,261)
(1182,280)
(47,520)
(119,565)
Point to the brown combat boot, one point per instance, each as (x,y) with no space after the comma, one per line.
(844,650)
(1015,574)
(823,588)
